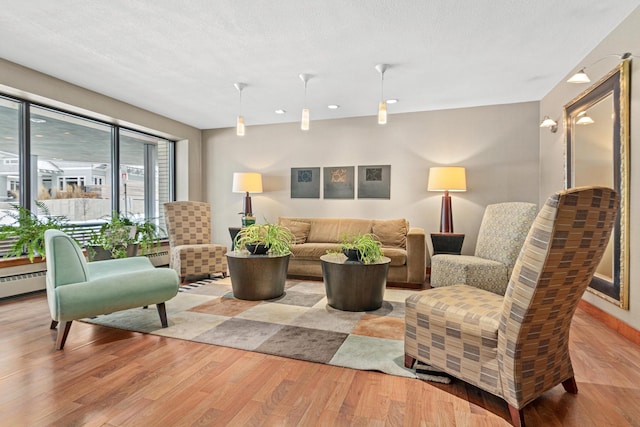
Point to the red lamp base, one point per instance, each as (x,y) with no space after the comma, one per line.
(446,215)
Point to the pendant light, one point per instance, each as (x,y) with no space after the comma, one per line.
(304,123)
(382,106)
(240,119)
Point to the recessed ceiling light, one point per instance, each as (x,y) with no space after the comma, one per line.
(8,137)
(392,101)
(39,136)
(280,111)
(38,121)
(333,106)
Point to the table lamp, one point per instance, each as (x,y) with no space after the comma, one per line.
(447,178)
(247,182)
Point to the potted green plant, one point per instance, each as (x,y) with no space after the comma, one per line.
(365,248)
(27,229)
(122,237)
(262,238)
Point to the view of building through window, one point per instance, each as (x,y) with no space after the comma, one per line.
(72,171)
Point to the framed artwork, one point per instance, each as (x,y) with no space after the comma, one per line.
(305,183)
(338,182)
(374,182)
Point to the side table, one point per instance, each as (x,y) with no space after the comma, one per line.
(233,232)
(447,243)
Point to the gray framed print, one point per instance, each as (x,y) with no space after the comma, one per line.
(374,182)
(338,182)
(305,183)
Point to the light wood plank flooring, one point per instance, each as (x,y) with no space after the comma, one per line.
(109,377)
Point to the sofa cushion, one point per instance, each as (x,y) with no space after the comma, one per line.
(313,251)
(299,229)
(333,230)
(398,256)
(391,232)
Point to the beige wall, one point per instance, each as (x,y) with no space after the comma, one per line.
(626,38)
(497,144)
(37,87)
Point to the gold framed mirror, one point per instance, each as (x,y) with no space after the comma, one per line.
(596,127)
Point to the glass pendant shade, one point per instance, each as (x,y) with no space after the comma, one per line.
(304,123)
(240,126)
(382,113)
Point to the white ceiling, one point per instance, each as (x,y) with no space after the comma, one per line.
(180,58)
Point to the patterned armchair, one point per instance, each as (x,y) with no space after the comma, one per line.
(502,232)
(191,250)
(517,346)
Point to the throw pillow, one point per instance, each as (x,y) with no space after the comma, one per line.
(300,230)
(391,232)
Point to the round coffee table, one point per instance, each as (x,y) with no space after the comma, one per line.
(352,285)
(257,277)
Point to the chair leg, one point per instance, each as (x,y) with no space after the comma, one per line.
(570,385)
(409,361)
(517,416)
(63,331)
(163,314)
(54,324)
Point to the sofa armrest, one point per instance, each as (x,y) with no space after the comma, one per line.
(416,255)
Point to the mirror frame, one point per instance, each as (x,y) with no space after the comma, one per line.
(616,83)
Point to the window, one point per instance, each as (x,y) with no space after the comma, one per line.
(9,147)
(144,172)
(71,165)
(64,149)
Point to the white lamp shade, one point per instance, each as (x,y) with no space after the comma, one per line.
(584,120)
(447,178)
(548,122)
(579,77)
(247,182)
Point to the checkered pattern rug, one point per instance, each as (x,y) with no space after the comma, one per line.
(300,325)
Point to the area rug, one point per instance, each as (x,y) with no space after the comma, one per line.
(300,325)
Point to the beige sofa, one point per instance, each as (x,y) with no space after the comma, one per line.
(405,246)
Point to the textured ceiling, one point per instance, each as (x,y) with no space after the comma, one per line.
(180,58)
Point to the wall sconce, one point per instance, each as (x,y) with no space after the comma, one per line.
(583,119)
(582,77)
(548,122)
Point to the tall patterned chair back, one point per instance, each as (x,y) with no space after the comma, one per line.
(559,257)
(188,223)
(503,230)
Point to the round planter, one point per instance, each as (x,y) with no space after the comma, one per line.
(354,286)
(257,277)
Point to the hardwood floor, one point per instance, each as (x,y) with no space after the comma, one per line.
(110,377)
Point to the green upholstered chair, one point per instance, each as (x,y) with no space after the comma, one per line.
(516,346)
(191,250)
(502,231)
(77,289)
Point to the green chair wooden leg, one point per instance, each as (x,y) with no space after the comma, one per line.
(163,314)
